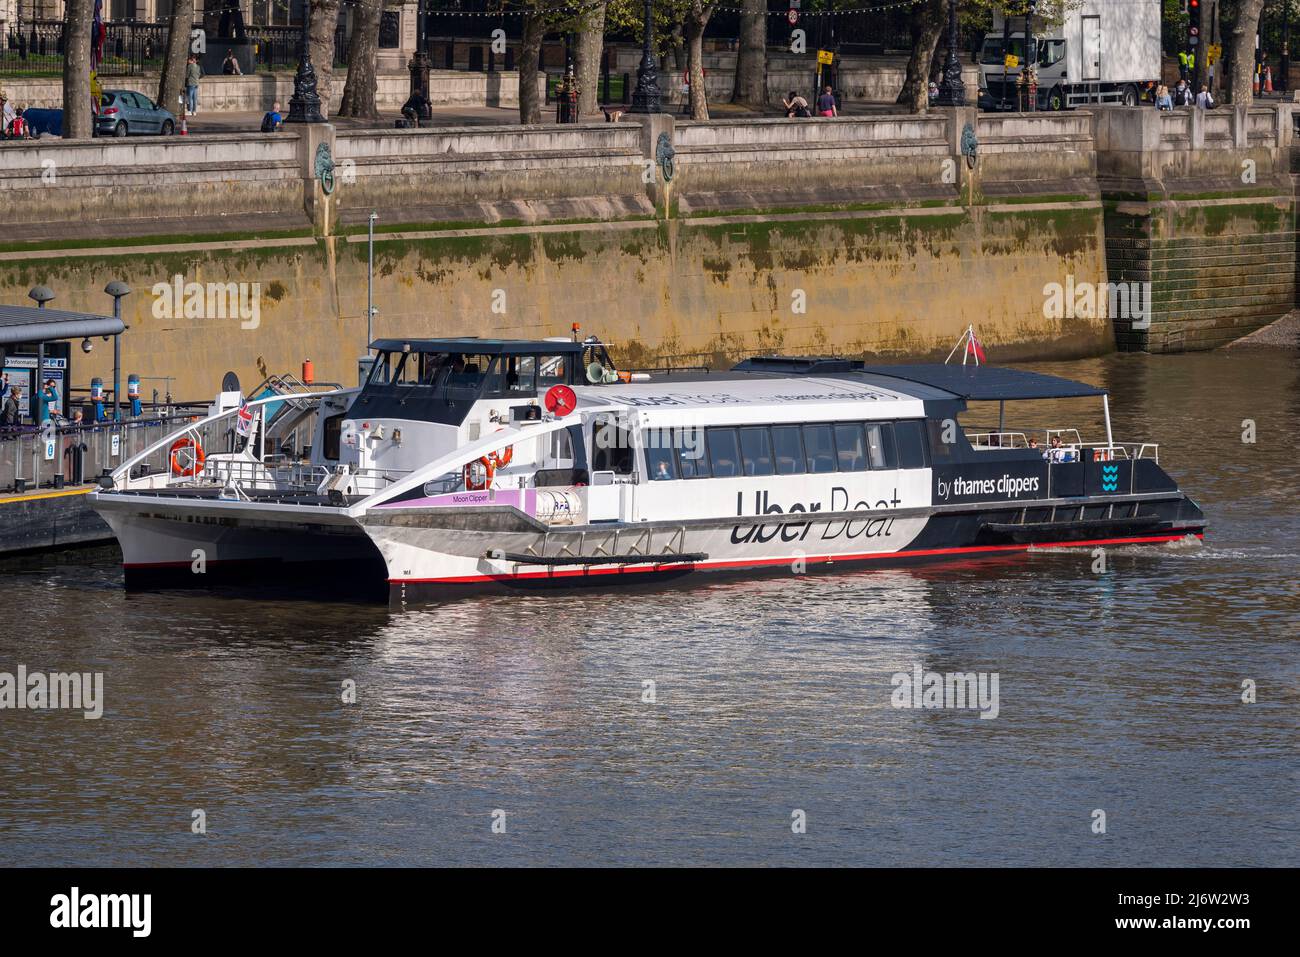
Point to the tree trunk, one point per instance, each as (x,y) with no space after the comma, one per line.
(699,101)
(591,44)
(172,82)
(76,69)
(363,56)
(928,20)
(751,60)
(1244,26)
(530,61)
(324,21)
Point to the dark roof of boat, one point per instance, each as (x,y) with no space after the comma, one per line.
(474,346)
(982,383)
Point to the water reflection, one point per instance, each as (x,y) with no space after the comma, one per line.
(1119,690)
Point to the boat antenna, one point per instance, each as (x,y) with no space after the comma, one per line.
(969,345)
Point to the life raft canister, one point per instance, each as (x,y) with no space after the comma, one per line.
(197,457)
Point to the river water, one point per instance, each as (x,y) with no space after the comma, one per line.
(1118,692)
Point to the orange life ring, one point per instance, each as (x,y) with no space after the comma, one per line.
(488,470)
(199,457)
(502,459)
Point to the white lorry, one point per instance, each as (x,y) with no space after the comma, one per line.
(1097,51)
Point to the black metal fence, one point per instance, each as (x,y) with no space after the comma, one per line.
(133,48)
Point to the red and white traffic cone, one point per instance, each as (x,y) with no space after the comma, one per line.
(184,129)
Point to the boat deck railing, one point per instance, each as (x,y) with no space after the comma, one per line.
(1071,442)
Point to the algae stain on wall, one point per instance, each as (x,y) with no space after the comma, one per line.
(686,291)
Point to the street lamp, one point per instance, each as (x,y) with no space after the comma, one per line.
(418,102)
(646,97)
(304,105)
(952,91)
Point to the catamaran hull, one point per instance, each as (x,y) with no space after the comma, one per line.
(432,556)
(180,546)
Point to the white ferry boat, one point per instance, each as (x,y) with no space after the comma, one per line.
(471,463)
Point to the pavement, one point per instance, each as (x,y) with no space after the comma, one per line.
(445,116)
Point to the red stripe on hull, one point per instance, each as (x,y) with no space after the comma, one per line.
(811,560)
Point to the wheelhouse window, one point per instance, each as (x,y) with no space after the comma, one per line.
(849,447)
(724,452)
(787,447)
(551,370)
(756,450)
(520,374)
(661,463)
(819,448)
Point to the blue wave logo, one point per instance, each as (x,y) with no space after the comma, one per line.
(1110,478)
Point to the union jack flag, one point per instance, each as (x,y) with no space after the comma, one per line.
(243,419)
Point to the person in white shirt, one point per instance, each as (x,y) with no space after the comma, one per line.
(1203,99)
(6,112)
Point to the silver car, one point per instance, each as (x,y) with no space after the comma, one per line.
(124,112)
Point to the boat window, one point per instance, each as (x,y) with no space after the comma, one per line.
(820,448)
(888,445)
(940,451)
(692,455)
(849,446)
(661,463)
(789,450)
(550,371)
(521,374)
(612,443)
(911,444)
(724,452)
(406,371)
(561,450)
(379,369)
(876,446)
(756,450)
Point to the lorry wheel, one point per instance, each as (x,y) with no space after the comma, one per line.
(1056,99)
(1130,95)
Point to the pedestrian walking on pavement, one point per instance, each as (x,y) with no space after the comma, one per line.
(193,73)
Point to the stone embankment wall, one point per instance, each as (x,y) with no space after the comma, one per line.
(680,242)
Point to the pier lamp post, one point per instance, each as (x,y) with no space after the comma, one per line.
(646,98)
(304,105)
(39,295)
(952,91)
(418,101)
(117,289)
